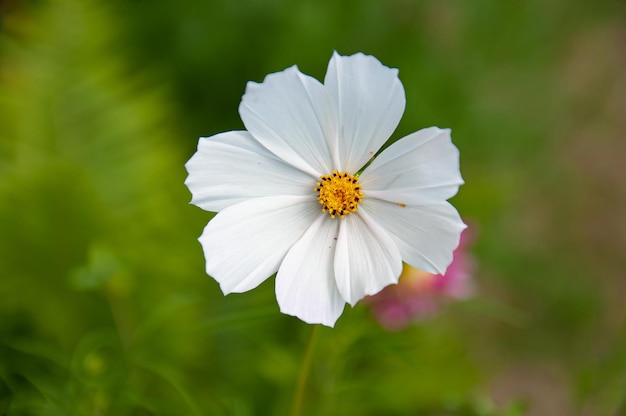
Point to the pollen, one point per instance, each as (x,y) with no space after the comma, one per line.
(339,193)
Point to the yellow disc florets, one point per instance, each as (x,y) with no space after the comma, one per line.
(339,193)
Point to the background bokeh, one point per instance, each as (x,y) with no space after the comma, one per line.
(104,305)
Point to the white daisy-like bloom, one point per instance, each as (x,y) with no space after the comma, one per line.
(295,194)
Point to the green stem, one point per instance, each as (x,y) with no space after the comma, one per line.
(304,373)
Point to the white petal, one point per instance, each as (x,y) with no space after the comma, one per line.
(367,259)
(305,283)
(426,235)
(232,167)
(422,168)
(292,115)
(370,101)
(245,243)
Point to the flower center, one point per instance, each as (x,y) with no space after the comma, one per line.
(339,193)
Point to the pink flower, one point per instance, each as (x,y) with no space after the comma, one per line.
(419,294)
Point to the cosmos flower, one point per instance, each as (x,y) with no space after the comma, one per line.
(296,195)
(419,294)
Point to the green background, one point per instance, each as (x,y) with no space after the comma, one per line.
(105,308)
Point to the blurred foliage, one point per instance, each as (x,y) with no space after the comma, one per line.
(105,306)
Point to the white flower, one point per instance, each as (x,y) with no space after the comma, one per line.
(290,200)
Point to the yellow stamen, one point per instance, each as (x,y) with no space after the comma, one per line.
(339,193)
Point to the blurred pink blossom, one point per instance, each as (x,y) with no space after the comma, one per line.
(418,294)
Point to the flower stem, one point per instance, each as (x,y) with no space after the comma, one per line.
(304,373)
